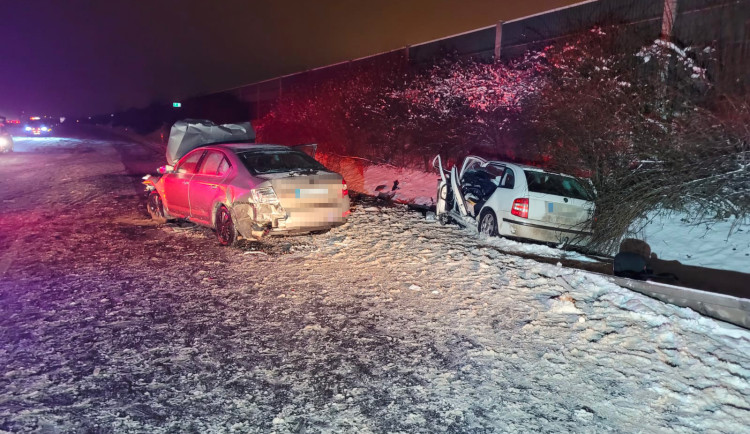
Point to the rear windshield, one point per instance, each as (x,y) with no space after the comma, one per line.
(559,185)
(278,161)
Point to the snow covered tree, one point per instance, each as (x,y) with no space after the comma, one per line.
(646,126)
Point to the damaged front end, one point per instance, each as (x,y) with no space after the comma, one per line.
(152,181)
(451,204)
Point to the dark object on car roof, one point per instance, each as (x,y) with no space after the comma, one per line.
(189,134)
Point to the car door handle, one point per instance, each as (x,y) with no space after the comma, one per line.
(214,186)
(186,182)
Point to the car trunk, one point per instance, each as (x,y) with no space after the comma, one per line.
(310,201)
(559,211)
(558,200)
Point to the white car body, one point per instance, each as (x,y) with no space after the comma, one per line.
(524,201)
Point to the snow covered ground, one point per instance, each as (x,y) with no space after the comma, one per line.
(390,323)
(724,245)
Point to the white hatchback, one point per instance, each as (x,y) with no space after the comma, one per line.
(517,201)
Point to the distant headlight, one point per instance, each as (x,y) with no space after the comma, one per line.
(3,141)
(44,128)
(27,128)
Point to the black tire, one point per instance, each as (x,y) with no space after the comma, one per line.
(226,232)
(487,224)
(156,208)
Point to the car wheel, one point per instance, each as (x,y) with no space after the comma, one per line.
(225,230)
(156,208)
(488,223)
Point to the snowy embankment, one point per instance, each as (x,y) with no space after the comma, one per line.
(724,245)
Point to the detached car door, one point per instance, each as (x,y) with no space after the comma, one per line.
(176,184)
(207,186)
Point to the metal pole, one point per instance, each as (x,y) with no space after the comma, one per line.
(668,19)
(498,39)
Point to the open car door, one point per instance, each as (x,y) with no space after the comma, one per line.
(471,162)
(448,181)
(458,197)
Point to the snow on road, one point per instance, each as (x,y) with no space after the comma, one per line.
(390,323)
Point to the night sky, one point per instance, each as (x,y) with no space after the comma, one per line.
(87,57)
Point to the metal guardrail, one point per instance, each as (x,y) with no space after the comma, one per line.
(727,308)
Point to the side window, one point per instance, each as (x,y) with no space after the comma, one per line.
(224,167)
(509,179)
(190,163)
(211,163)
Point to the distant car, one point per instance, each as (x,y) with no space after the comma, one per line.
(249,190)
(518,201)
(6,141)
(38,128)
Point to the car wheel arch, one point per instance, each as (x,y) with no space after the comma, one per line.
(215,210)
(485,210)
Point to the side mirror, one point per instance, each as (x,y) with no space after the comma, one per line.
(166,169)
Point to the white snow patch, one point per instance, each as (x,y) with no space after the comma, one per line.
(724,245)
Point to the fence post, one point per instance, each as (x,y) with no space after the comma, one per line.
(668,19)
(498,39)
(257,101)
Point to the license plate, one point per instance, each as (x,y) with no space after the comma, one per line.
(302,193)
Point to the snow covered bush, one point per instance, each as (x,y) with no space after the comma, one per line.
(648,128)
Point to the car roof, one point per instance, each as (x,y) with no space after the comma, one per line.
(522,167)
(239,147)
(515,165)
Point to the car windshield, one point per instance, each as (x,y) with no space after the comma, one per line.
(559,185)
(279,161)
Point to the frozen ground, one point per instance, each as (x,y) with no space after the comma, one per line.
(391,323)
(724,245)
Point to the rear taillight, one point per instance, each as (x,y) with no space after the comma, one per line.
(344,188)
(520,208)
(264,195)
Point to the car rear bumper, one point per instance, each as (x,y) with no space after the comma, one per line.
(275,220)
(299,230)
(544,233)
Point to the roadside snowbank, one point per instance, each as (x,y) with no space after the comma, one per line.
(723,245)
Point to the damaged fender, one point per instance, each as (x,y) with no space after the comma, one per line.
(256,219)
